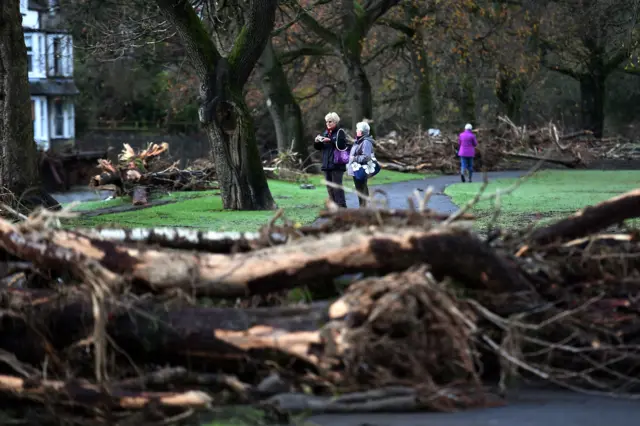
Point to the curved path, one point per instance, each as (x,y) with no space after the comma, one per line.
(397,193)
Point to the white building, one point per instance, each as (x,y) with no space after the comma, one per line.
(50,63)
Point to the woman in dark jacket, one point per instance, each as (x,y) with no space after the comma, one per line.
(333,137)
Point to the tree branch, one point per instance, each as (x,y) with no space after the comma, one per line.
(309,50)
(314,26)
(400,42)
(375,9)
(252,40)
(399,26)
(201,51)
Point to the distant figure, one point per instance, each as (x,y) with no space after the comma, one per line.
(467,152)
(333,160)
(361,154)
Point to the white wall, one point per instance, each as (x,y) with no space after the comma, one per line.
(30,19)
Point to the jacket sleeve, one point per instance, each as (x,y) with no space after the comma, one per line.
(367,150)
(319,145)
(341,140)
(475,141)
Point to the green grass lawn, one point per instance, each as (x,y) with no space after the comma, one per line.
(546,196)
(204,209)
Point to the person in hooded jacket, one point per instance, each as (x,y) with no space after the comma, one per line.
(334,136)
(361,153)
(467,152)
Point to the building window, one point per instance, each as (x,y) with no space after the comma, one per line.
(58,118)
(57,57)
(54,5)
(28,40)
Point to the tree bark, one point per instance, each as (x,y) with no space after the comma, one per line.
(424,94)
(223,112)
(510,92)
(18,153)
(467,99)
(347,44)
(283,107)
(592,96)
(360,88)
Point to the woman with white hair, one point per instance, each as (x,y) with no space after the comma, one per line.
(467,152)
(333,144)
(360,157)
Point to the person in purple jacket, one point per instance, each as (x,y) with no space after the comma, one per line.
(467,151)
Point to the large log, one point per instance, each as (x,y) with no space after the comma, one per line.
(50,324)
(310,261)
(77,393)
(402,328)
(591,219)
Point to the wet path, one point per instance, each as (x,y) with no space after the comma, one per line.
(398,193)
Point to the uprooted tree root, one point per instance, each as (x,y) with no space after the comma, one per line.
(145,325)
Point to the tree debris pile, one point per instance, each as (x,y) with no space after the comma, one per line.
(106,324)
(137,174)
(499,145)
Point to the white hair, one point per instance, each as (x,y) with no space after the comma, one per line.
(363,127)
(468,126)
(333,117)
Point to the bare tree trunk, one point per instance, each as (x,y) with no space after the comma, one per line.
(467,99)
(18,152)
(360,88)
(510,90)
(592,97)
(233,144)
(283,107)
(223,111)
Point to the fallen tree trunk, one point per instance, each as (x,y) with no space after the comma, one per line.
(572,164)
(186,238)
(591,219)
(76,393)
(226,339)
(405,328)
(310,261)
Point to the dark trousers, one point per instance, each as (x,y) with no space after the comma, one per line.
(466,163)
(362,188)
(336,195)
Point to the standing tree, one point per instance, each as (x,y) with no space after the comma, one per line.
(18,152)
(283,107)
(588,40)
(346,40)
(223,112)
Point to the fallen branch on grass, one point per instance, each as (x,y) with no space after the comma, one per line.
(591,219)
(311,261)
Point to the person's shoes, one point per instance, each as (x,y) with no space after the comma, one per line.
(470,180)
(462,178)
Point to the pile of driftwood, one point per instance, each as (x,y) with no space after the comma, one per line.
(505,141)
(107,325)
(137,174)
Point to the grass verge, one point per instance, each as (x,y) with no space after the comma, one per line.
(204,209)
(546,196)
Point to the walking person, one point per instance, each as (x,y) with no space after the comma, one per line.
(360,157)
(467,152)
(333,144)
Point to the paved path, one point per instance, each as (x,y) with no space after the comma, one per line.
(397,193)
(526,408)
